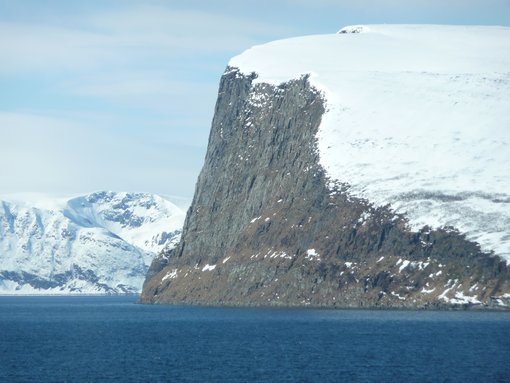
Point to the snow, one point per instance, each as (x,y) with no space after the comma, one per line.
(255,219)
(111,236)
(311,253)
(148,216)
(404,265)
(460,298)
(421,265)
(276,254)
(364,217)
(209,267)
(398,296)
(449,286)
(417,117)
(76,287)
(170,275)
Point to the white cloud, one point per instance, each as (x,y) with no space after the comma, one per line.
(34,48)
(150,21)
(140,88)
(51,153)
(126,37)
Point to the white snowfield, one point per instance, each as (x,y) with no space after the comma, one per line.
(418,117)
(99,243)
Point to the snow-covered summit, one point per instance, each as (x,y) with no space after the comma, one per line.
(144,220)
(98,243)
(380,48)
(417,117)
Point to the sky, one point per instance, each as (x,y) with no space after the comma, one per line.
(119,94)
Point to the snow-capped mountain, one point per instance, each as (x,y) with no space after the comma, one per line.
(349,158)
(99,243)
(417,117)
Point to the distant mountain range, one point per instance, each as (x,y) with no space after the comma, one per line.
(96,244)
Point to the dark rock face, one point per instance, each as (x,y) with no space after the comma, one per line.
(266,226)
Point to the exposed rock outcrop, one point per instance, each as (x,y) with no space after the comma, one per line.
(266,226)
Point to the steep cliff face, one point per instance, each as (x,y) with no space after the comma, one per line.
(267,226)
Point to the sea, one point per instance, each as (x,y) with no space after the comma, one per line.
(114,339)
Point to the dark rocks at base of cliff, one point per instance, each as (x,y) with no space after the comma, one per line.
(266,227)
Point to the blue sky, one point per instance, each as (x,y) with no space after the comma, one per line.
(119,94)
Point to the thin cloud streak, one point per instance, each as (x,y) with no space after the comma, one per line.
(136,86)
(134,36)
(46,153)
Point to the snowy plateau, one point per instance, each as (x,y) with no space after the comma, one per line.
(101,243)
(417,118)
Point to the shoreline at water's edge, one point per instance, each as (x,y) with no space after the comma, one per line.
(280,305)
(275,305)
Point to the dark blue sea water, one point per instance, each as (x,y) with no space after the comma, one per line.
(111,339)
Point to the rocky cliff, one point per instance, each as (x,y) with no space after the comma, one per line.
(267,228)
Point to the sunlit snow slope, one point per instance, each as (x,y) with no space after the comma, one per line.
(418,117)
(99,243)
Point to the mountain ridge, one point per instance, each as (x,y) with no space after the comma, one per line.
(99,243)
